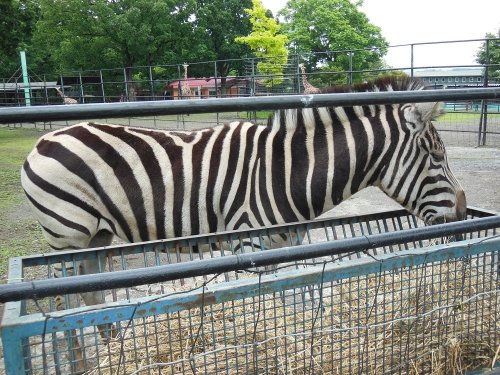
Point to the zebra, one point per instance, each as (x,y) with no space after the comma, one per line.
(91,181)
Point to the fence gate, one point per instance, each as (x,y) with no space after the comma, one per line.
(413,301)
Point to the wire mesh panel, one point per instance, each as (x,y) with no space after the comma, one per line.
(409,308)
(150,254)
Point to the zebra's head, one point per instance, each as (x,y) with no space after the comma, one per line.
(419,176)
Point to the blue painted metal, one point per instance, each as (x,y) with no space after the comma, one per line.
(121,279)
(26,80)
(17,326)
(15,329)
(12,339)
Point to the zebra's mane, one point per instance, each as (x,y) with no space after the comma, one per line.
(384,83)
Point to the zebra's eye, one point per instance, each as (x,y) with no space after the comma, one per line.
(437,154)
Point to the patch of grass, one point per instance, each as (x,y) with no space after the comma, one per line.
(455,117)
(19,231)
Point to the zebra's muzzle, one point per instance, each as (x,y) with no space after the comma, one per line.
(459,213)
(461,206)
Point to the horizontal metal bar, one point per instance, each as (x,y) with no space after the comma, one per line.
(150,275)
(81,317)
(115,250)
(173,107)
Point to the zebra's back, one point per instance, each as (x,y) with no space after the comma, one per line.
(139,184)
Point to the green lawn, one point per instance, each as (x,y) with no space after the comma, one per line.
(19,232)
(465,117)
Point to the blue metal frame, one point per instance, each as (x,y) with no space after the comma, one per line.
(17,328)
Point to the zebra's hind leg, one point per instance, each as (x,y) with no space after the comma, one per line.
(77,363)
(90,266)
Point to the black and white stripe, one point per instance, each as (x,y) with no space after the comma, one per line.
(91,180)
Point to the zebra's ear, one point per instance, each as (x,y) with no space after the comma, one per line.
(429,111)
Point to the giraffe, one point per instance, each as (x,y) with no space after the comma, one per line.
(308,88)
(66,100)
(185,89)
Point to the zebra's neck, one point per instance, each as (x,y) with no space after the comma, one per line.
(327,155)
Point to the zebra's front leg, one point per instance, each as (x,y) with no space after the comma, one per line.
(96,266)
(292,239)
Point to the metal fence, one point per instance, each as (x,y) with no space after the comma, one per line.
(146,83)
(458,128)
(470,123)
(373,294)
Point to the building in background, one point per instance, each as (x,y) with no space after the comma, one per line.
(453,78)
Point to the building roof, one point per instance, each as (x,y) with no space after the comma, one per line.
(13,86)
(471,72)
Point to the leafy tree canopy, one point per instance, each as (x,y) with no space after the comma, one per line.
(266,42)
(77,34)
(73,35)
(17,21)
(217,23)
(322,26)
(490,55)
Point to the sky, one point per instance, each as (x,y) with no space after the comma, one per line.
(420,21)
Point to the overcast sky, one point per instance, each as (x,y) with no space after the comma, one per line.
(415,21)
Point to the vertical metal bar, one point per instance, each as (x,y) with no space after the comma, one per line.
(45,89)
(486,83)
(481,136)
(26,80)
(126,83)
(216,87)
(479,130)
(16,359)
(82,95)
(14,354)
(151,84)
(62,83)
(350,53)
(252,92)
(103,95)
(411,60)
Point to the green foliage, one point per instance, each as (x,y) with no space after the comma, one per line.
(17,21)
(216,24)
(267,44)
(322,26)
(79,35)
(75,35)
(493,55)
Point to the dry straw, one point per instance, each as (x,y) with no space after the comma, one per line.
(432,319)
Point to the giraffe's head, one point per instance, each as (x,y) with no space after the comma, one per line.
(418,176)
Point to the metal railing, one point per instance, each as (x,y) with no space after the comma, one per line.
(47,113)
(363,300)
(148,82)
(465,129)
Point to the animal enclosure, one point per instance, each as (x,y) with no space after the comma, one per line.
(372,299)
(406,304)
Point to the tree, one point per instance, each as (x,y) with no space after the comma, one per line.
(490,55)
(217,23)
(17,21)
(82,35)
(324,31)
(267,44)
